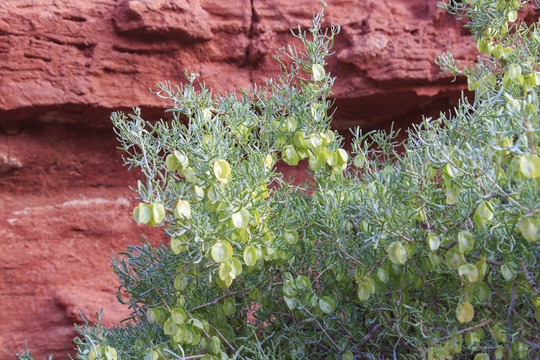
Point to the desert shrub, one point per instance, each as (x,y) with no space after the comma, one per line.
(422,249)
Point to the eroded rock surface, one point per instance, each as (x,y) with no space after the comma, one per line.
(68,56)
(66,64)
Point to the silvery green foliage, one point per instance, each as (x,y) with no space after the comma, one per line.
(425,249)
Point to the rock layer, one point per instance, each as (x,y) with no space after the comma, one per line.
(66,64)
(61,57)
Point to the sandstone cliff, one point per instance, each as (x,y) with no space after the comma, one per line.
(66,64)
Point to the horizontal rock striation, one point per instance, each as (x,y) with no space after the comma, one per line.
(60,59)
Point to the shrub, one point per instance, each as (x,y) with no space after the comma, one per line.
(425,249)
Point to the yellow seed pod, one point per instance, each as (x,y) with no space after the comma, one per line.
(240,219)
(221,251)
(182,210)
(222,171)
(465,312)
(318,72)
(250,255)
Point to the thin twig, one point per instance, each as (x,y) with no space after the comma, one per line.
(369,335)
(216,300)
(528,276)
(395,234)
(462,331)
(323,330)
(489,261)
(349,256)
(345,253)
(224,339)
(512,301)
(374,266)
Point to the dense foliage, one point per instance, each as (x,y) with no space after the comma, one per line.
(426,249)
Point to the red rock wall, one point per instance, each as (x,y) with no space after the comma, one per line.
(66,64)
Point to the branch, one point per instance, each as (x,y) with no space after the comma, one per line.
(216,300)
(369,335)
(509,338)
(528,276)
(323,330)
(462,331)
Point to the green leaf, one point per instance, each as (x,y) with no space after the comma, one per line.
(315,165)
(110,353)
(268,162)
(497,51)
(482,268)
(197,193)
(207,115)
(382,275)
(290,124)
(452,171)
(512,16)
(178,244)
(514,71)
(158,214)
(484,45)
(499,352)
(483,214)
(213,345)
(289,288)
(485,210)
(519,350)
(454,343)
(299,140)
(255,294)
(151,354)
